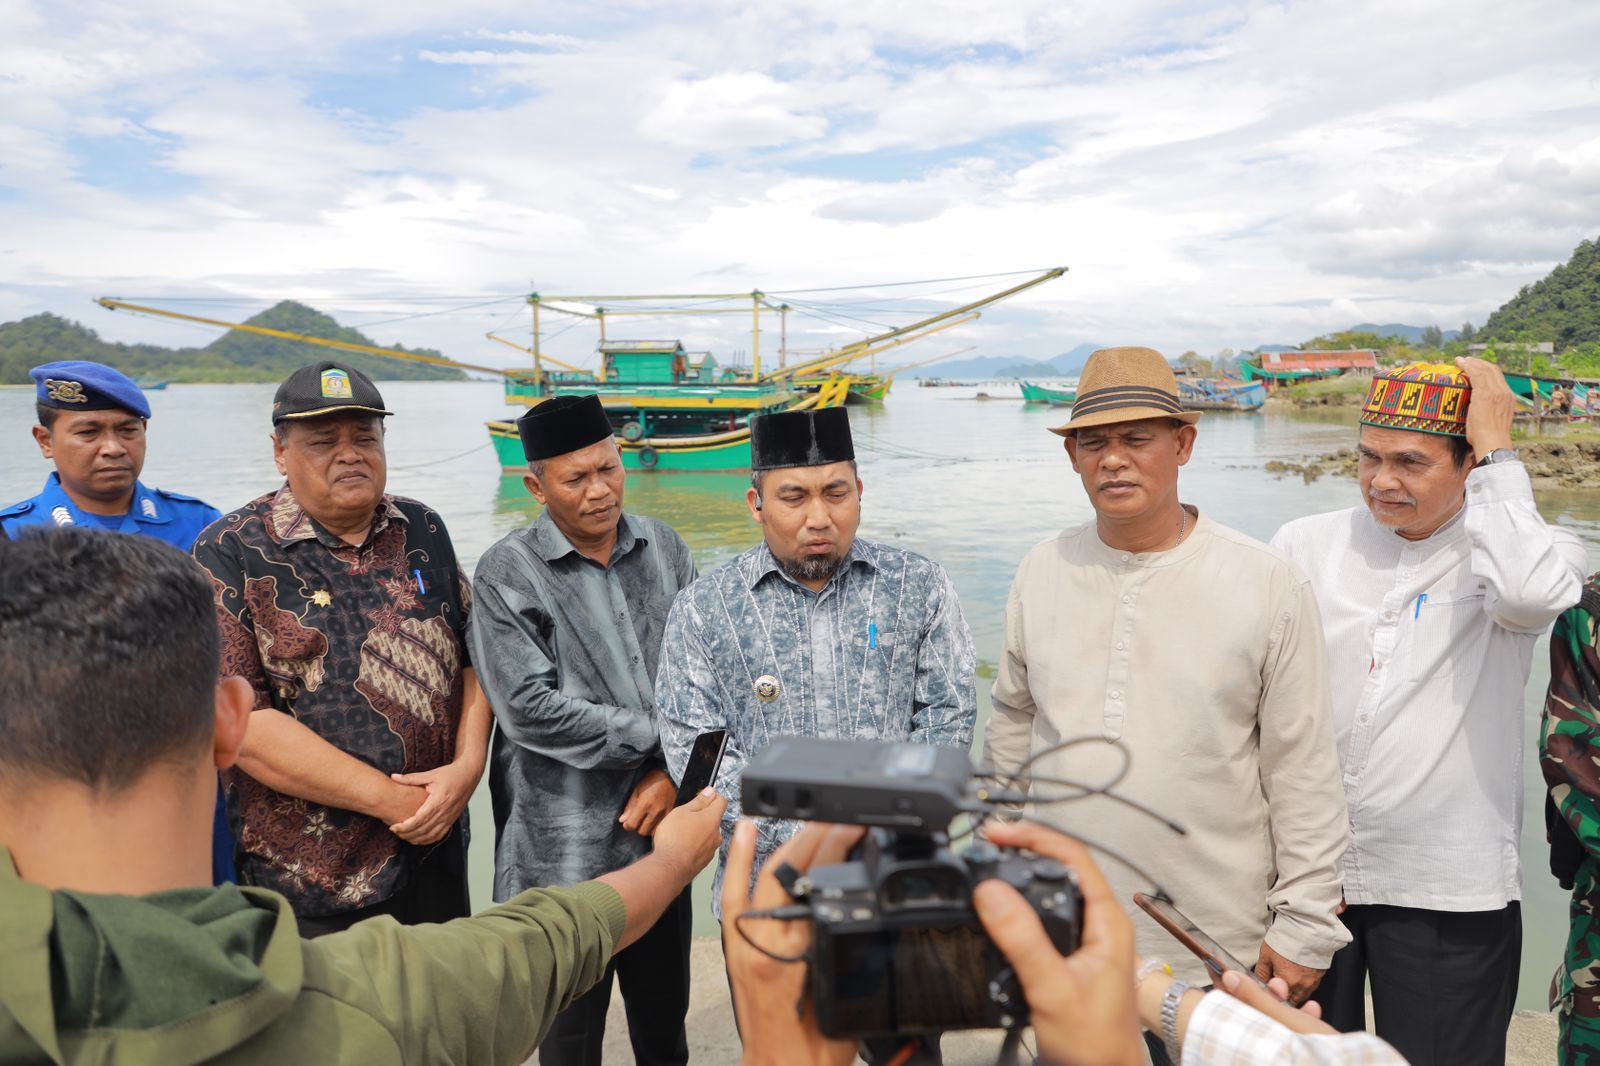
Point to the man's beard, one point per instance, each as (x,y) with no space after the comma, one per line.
(811,567)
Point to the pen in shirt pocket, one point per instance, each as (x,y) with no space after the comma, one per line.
(1417,613)
(421,588)
(872,635)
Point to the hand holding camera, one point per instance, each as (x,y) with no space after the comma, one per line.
(1082,1004)
(776,1018)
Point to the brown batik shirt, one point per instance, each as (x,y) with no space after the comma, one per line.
(363,645)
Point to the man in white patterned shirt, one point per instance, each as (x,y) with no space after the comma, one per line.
(1432,596)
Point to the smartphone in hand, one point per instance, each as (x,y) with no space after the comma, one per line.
(705,758)
(1216,958)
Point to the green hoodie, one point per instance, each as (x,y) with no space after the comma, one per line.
(197,974)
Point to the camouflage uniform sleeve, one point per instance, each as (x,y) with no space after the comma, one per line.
(1569,736)
(1569,744)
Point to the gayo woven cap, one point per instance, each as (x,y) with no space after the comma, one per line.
(1420,397)
(1125,385)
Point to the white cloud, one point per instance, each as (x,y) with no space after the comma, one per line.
(558,41)
(1214,173)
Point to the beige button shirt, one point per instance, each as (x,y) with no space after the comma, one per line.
(1207,663)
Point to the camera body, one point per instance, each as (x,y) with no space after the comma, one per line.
(897,947)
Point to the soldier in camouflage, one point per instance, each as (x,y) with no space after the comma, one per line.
(1569,753)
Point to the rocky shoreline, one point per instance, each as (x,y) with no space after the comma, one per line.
(1564,464)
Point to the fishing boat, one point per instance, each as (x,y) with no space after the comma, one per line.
(1538,393)
(150,386)
(1221,394)
(1056,397)
(860,388)
(873,388)
(671,409)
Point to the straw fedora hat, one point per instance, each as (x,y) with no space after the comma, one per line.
(1125,385)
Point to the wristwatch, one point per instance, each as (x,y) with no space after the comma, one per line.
(1169,1018)
(1499,455)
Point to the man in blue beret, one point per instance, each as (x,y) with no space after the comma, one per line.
(92,422)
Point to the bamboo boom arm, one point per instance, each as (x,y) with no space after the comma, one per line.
(283,334)
(542,356)
(544,303)
(847,355)
(931,359)
(1048,275)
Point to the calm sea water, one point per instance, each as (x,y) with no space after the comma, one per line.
(971,482)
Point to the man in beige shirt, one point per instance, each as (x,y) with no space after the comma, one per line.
(1200,652)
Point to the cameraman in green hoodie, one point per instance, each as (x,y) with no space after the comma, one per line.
(115,948)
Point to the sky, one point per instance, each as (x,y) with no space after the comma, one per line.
(1213,175)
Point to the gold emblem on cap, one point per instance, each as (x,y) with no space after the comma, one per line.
(335,385)
(322,598)
(65,391)
(767,688)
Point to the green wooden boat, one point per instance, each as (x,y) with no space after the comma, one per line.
(863,388)
(670,411)
(1536,393)
(1056,397)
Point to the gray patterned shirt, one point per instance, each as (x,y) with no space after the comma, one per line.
(882,652)
(566,650)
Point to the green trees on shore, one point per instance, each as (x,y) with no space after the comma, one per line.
(234,357)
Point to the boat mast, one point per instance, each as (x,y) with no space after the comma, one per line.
(783,336)
(755,333)
(538,369)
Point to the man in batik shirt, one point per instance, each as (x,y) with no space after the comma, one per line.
(815,631)
(567,630)
(344,608)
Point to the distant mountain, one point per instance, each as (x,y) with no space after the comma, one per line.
(1563,307)
(1071,363)
(986,367)
(236,356)
(1409,334)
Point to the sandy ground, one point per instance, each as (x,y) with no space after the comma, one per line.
(713,1042)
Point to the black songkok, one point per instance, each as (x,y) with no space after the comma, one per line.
(562,424)
(800,438)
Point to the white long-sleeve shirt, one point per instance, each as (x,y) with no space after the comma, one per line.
(1206,664)
(1429,647)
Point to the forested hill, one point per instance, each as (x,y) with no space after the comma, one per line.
(235,356)
(1564,306)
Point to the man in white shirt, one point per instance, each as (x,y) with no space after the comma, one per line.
(1199,652)
(1432,596)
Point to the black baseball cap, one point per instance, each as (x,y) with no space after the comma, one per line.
(325,388)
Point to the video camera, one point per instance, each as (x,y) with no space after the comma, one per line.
(896,946)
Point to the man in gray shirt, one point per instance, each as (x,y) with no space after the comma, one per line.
(566,632)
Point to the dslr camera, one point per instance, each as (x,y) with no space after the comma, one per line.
(896,946)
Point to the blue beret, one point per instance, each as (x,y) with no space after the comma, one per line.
(76,385)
